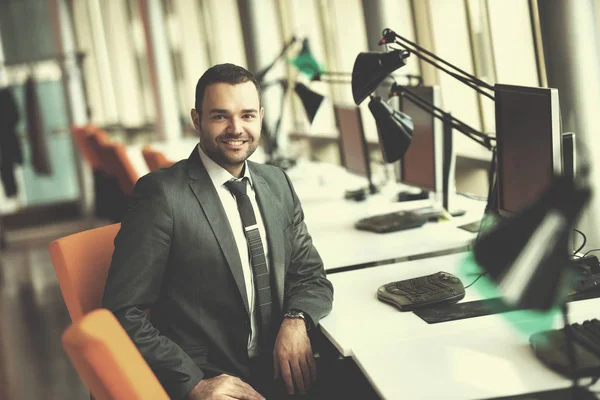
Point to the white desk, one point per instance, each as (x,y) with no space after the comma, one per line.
(330,220)
(331,224)
(473,365)
(358,317)
(404,357)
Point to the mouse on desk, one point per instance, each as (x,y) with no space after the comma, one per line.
(439,216)
(356,195)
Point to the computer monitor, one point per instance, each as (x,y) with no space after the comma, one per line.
(528,139)
(353,144)
(422,164)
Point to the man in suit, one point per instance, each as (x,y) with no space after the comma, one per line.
(218,326)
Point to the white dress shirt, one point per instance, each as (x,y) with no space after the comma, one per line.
(219,176)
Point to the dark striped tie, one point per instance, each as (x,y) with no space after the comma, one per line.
(262,283)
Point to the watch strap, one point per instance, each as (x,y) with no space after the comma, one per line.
(295,313)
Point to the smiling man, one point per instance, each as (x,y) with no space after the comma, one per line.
(228,118)
(216,248)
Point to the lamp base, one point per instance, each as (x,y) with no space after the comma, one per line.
(356,195)
(551,348)
(411,196)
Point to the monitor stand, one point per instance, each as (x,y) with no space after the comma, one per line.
(362,193)
(411,196)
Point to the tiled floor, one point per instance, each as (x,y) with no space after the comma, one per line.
(33,316)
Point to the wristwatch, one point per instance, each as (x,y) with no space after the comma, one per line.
(295,313)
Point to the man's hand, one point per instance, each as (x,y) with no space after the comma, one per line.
(292,357)
(223,387)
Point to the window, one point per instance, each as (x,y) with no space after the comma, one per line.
(115,64)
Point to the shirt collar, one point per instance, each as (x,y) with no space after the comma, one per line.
(219,175)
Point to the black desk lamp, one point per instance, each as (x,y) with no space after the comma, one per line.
(311,100)
(526,254)
(394,128)
(306,63)
(372,68)
(271,138)
(260,75)
(389,121)
(525,257)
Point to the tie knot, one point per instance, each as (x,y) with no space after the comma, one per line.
(237,187)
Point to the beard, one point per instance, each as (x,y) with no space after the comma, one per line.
(219,153)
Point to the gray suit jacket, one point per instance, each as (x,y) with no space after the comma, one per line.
(175,254)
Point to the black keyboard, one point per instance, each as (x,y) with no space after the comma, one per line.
(411,294)
(588,335)
(551,348)
(397,221)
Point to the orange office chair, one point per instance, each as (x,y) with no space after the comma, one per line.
(81,262)
(108,361)
(114,160)
(122,168)
(155,159)
(111,199)
(97,140)
(79,134)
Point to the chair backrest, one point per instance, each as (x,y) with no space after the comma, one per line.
(122,167)
(98,141)
(81,262)
(108,361)
(155,159)
(79,134)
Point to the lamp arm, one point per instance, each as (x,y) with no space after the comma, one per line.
(260,75)
(456,76)
(472,133)
(388,83)
(332,80)
(272,138)
(322,77)
(389,36)
(278,123)
(335,73)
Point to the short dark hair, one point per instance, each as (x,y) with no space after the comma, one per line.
(223,73)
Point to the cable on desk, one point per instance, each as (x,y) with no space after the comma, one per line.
(589,251)
(476,279)
(582,244)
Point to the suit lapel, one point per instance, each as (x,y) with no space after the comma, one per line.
(274,225)
(208,198)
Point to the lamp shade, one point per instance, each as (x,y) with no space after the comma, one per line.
(310,100)
(306,62)
(371,68)
(394,128)
(525,255)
